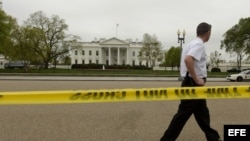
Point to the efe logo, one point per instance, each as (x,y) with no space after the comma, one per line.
(236,132)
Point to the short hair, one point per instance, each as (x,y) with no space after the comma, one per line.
(203,28)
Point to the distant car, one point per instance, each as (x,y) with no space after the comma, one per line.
(244,75)
(245,69)
(14,64)
(233,70)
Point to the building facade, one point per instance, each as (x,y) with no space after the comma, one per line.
(111,51)
(3,61)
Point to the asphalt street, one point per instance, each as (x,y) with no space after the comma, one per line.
(125,121)
(93,78)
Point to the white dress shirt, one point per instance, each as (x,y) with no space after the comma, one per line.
(196,49)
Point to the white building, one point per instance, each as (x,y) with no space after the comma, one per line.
(111,51)
(3,61)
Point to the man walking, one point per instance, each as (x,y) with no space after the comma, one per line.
(193,68)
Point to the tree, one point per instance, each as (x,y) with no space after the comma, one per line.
(168,58)
(177,57)
(48,38)
(173,57)
(66,60)
(18,47)
(151,49)
(215,59)
(12,41)
(237,40)
(7,23)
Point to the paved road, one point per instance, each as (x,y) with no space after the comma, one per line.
(127,121)
(86,78)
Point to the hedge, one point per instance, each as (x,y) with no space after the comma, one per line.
(100,66)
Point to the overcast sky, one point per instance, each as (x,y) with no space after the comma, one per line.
(91,19)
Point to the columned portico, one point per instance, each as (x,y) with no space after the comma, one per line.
(115,55)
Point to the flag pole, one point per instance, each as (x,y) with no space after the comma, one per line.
(116,32)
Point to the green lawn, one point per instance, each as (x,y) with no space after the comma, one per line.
(71,72)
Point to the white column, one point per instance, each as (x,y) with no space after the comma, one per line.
(118,56)
(101,59)
(109,55)
(127,57)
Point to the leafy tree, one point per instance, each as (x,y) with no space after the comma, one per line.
(237,40)
(151,49)
(18,47)
(7,23)
(215,59)
(12,41)
(48,38)
(66,60)
(173,57)
(177,57)
(169,56)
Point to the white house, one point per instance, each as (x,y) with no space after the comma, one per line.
(3,61)
(108,51)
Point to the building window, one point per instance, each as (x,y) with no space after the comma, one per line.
(90,53)
(75,52)
(123,62)
(83,52)
(83,61)
(140,63)
(90,61)
(97,53)
(133,63)
(76,61)
(133,53)
(97,61)
(107,62)
(140,53)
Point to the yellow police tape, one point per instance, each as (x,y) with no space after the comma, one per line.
(123,95)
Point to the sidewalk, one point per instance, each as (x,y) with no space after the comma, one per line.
(94,78)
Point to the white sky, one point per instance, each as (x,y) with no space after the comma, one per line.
(91,19)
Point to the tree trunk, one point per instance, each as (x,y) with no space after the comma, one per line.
(46,65)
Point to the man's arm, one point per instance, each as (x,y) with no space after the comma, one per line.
(189,61)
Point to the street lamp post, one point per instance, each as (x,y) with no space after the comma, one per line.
(181,40)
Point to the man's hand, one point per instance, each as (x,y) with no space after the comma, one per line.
(189,61)
(199,81)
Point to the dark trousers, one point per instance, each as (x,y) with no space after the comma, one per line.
(186,109)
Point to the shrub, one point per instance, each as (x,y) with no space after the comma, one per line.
(234,70)
(99,66)
(215,70)
(86,66)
